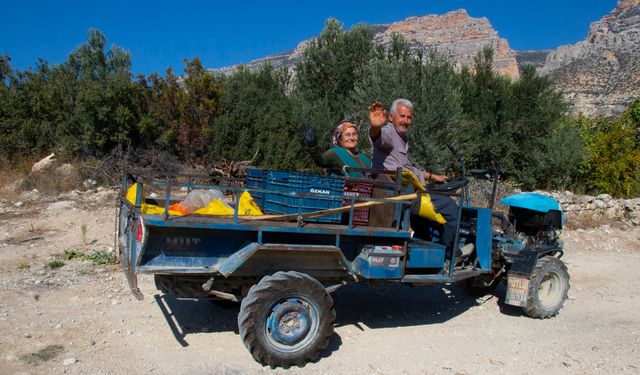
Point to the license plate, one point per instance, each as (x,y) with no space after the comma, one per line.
(517,291)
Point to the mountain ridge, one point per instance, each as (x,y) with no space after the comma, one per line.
(599,75)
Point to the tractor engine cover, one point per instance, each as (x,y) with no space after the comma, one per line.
(533,212)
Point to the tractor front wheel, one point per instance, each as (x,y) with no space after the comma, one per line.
(286,319)
(548,288)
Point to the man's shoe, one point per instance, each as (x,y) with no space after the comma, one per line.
(467,249)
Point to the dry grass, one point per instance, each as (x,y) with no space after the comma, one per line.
(585,221)
(10,174)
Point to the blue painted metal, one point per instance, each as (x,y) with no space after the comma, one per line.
(211,245)
(221,224)
(379,262)
(531,201)
(290,322)
(484,234)
(192,248)
(237,259)
(441,278)
(288,190)
(425,254)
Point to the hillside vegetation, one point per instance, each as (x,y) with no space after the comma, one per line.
(91,107)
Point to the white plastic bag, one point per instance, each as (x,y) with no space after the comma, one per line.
(200,198)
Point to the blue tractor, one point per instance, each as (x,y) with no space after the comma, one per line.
(320,233)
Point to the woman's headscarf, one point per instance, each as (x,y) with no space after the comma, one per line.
(343,125)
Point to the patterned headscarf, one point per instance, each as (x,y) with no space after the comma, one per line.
(343,125)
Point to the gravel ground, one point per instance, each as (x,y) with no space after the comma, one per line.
(80,317)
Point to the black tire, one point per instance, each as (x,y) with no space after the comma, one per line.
(548,288)
(286,319)
(481,285)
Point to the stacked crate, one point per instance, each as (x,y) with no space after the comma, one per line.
(358,188)
(287,193)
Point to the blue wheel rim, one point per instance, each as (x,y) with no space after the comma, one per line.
(291,324)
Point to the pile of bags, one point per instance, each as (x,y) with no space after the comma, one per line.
(199,202)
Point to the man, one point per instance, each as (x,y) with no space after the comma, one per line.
(391,151)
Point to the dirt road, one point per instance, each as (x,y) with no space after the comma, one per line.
(80,318)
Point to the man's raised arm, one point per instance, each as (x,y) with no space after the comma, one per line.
(377,118)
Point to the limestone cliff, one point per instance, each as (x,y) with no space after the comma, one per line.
(455,35)
(601,74)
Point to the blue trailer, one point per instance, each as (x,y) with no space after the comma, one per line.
(282,268)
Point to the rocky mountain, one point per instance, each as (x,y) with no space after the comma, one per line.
(455,35)
(601,74)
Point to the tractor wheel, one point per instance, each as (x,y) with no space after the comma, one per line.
(481,285)
(286,319)
(547,289)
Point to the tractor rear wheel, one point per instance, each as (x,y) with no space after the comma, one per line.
(548,288)
(286,319)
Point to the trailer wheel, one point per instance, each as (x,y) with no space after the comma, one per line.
(286,319)
(548,288)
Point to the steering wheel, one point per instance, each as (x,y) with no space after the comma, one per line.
(450,186)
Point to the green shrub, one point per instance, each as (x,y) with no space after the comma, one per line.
(23,266)
(70,254)
(102,257)
(55,264)
(613,165)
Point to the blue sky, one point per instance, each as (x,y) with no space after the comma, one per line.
(160,34)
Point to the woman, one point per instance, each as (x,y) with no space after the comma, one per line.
(343,153)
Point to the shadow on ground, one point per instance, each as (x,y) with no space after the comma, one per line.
(386,306)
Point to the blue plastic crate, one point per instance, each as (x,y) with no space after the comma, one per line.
(256,178)
(283,200)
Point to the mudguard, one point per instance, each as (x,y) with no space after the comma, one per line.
(525,260)
(319,261)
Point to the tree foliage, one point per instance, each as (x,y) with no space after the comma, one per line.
(83,106)
(613,165)
(91,104)
(179,110)
(325,78)
(256,120)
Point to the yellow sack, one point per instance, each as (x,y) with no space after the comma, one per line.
(247,206)
(147,209)
(409,178)
(428,211)
(132,192)
(216,207)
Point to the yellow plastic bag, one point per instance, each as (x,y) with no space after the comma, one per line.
(147,209)
(132,192)
(428,211)
(409,178)
(216,207)
(247,206)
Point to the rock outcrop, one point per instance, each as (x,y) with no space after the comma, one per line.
(588,211)
(455,35)
(601,74)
